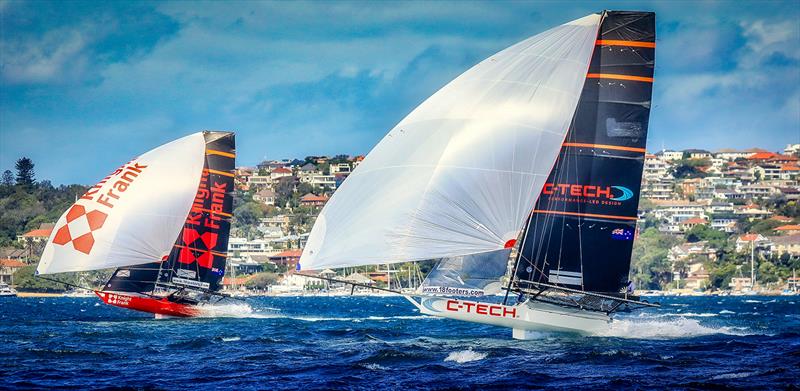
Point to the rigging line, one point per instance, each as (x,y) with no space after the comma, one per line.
(64,283)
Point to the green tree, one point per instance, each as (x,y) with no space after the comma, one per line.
(25,173)
(8,178)
(650,266)
(262,280)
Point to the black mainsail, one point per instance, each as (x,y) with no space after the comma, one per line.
(197,260)
(580,233)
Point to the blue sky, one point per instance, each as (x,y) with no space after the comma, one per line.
(87,86)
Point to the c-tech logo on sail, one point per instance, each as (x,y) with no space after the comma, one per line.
(614,193)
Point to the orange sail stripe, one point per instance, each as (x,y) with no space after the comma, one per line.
(220,153)
(211,211)
(200,250)
(218,172)
(618,77)
(586,215)
(616,42)
(604,146)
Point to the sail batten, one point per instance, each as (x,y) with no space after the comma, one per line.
(461,172)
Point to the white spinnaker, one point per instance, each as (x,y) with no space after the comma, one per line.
(145,219)
(460,174)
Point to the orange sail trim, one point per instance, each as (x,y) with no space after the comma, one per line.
(219,153)
(616,42)
(605,146)
(619,77)
(613,217)
(221,173)
(201,250)
(212,211)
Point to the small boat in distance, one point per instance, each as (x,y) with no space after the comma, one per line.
(162,220)
(7,291)
(537,151)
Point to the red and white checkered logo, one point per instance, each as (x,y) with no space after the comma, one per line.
(79,227)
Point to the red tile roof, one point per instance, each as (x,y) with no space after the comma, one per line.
(748,237)
(788,228)
(695,220)
(281,170)
(789,167)
(288,254)
(313,198)
(11,263)
(38,233)
(761,155)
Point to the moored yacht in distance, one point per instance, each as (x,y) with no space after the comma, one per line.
(540,149)
(7,291)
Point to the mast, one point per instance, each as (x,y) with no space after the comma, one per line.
(580,233)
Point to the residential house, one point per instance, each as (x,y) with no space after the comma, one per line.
(260,181)
(36,236)
(669,155)
(7,269)
(340,168)
(789,244)
(692,222)
(790,229)
(313,200)
(280,221)
(320,180)
(758,191)
(280,172)
(746,241)
(17,254)
(697,251)
(288,258)
(242,246)
(790,193)
(660,189)
(792,149)
(789,172)
(697,154)
(732,154)
(357,160)
(265,196)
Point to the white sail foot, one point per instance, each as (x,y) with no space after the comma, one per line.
(527,319)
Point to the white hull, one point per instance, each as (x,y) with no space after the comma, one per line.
(525,318)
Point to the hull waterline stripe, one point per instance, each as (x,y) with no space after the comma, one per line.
(617,42)
(201,250)
(619,77)
(211,211)
(605,146)
(220,153)
(218,172)
(555,212)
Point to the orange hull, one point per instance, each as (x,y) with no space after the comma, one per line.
(149,304)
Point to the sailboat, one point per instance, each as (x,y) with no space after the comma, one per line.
(520,177)
(162,220)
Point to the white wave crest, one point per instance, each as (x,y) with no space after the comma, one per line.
(727,312)
(663,329)
(464,356)
(732,375)
(231,310)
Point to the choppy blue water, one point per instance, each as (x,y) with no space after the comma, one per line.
(373,342)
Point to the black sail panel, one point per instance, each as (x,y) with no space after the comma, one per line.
(197,260)
(580,233)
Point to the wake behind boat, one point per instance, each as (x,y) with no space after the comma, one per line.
(537,150)
(163,220)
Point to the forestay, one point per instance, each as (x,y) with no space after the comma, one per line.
(133,215)
(460,173)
